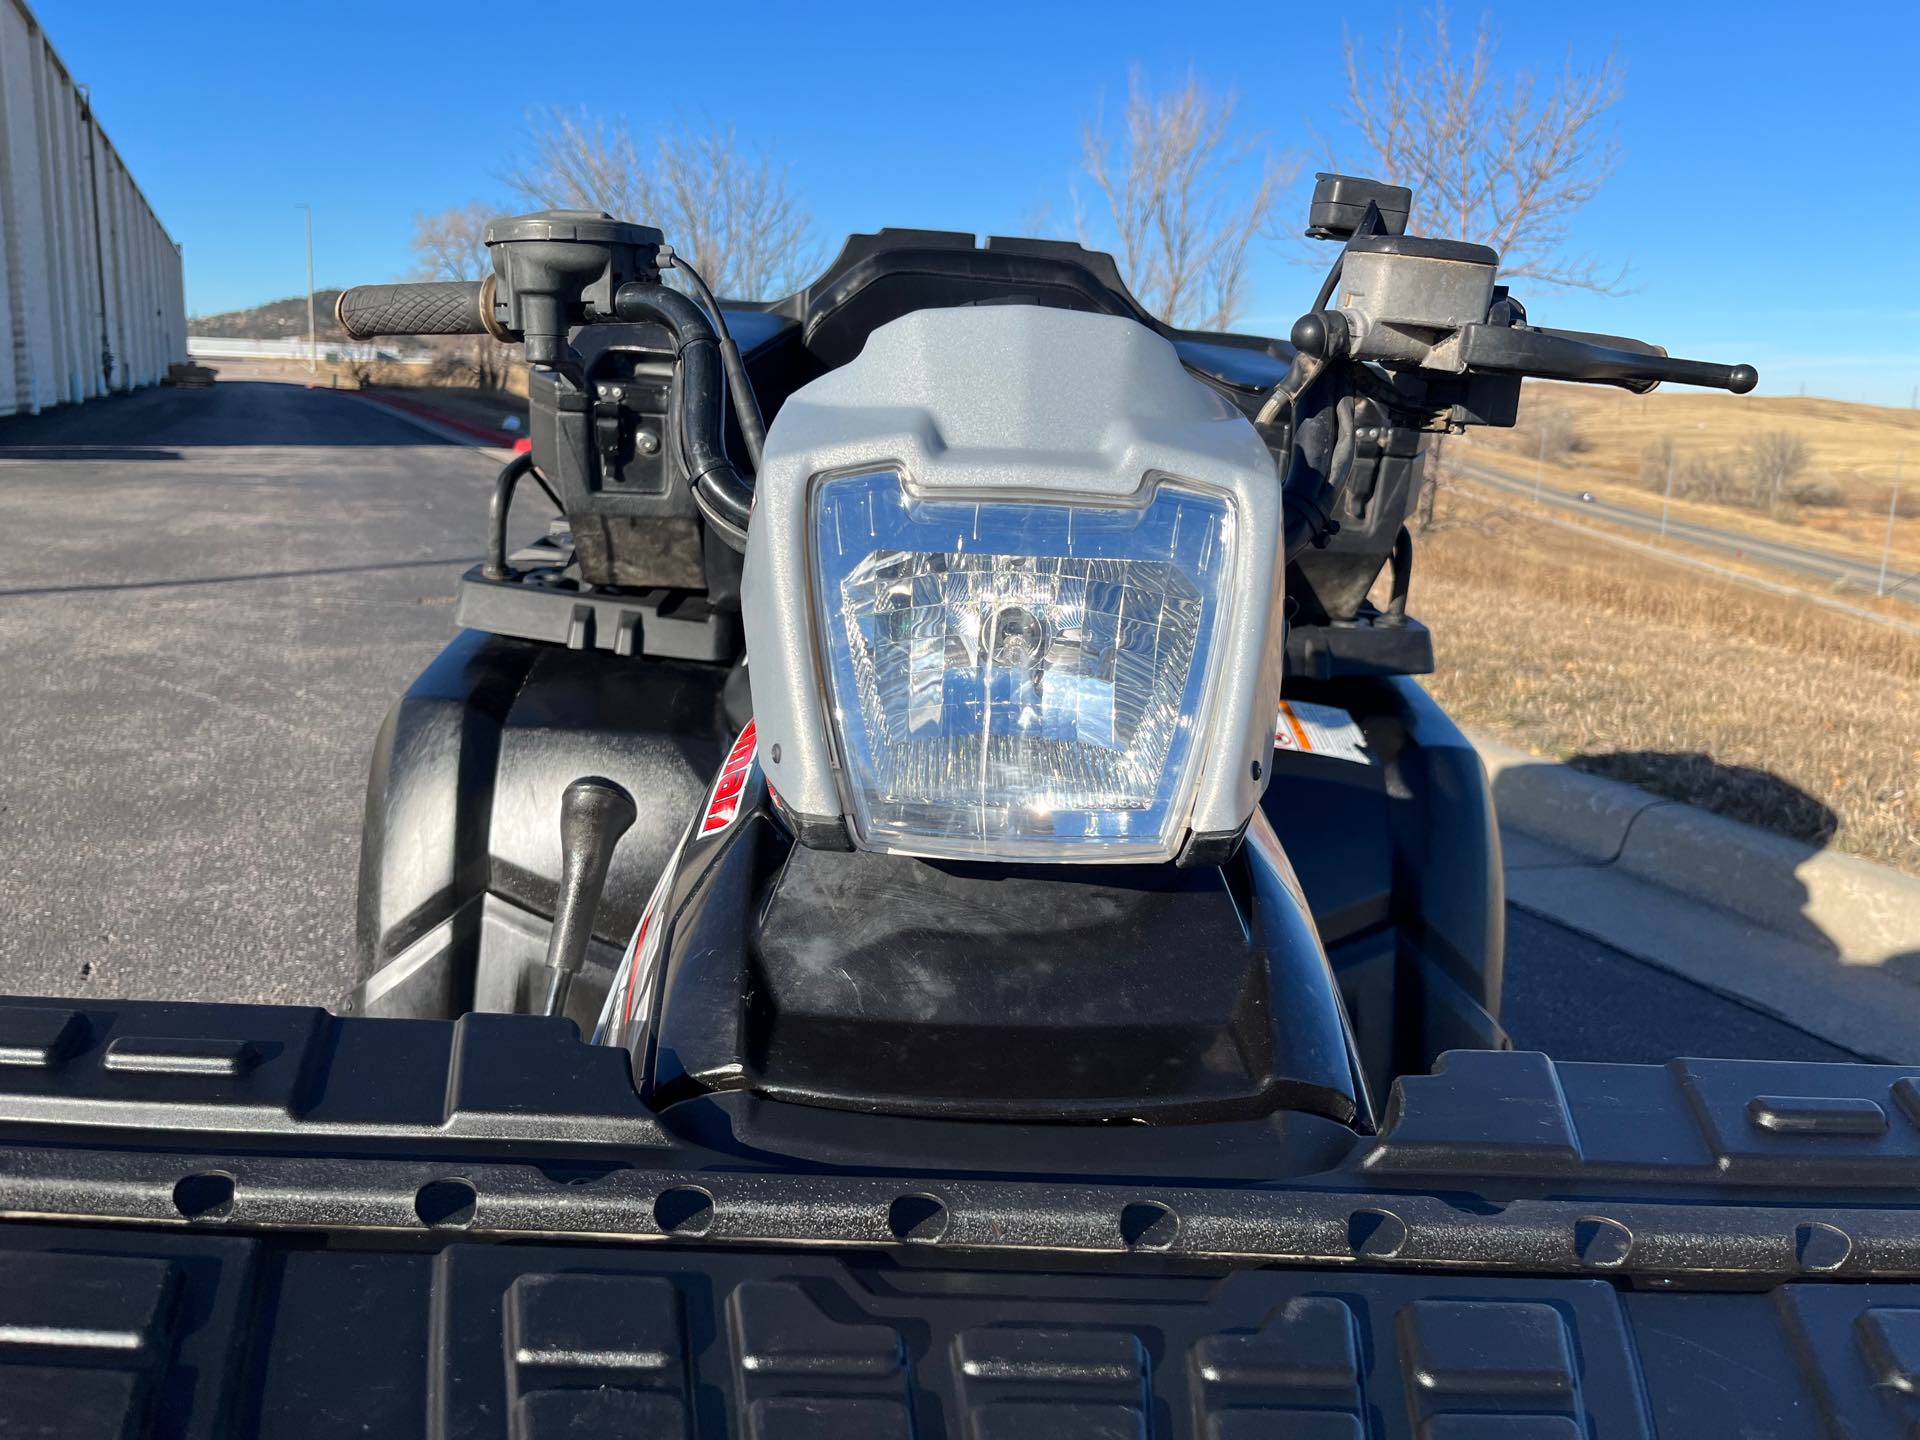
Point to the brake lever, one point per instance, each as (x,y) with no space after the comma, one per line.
(1591,359)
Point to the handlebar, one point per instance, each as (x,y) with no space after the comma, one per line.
(1594,359)
(1322,427)
(432,307)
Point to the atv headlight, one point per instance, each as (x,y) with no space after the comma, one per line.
(1018,678)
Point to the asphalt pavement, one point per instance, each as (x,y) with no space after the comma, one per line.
(1578,999)
(1803,560)
(208,600)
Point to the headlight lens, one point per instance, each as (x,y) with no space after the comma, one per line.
(1018,679)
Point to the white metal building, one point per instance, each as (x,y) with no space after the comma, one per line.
(92,299)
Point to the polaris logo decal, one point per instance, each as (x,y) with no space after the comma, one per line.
(725,802)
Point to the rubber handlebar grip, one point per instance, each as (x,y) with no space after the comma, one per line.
(433,307)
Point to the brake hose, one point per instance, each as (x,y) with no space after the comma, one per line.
(746,405)
(1307,495)
(724,495)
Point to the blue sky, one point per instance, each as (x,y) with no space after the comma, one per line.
(1767,202)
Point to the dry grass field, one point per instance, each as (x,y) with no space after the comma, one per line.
(1854,449)
(1754,705)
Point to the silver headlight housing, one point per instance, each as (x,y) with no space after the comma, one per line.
(958,541)
(1019,679)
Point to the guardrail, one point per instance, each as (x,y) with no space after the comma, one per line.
(214,347)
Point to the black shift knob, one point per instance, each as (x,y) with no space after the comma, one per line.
(594,814)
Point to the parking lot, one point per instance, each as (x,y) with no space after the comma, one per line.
(208,598)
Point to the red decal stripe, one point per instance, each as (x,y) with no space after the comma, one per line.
(724,804)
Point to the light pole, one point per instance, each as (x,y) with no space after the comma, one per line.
(313,332)
(1893,509)
(1539,470)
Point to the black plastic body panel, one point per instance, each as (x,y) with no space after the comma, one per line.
(1400,861)
(897,986)
(460,848)
(1368,647)
(942,956)
(878,278)
(662,624)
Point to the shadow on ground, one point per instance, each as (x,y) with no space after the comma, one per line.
(157,423)
(255,577)
(1739,792)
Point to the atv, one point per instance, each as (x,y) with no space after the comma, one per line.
(1028,731)
(931,903)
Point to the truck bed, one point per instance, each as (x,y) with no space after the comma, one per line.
(229,1220)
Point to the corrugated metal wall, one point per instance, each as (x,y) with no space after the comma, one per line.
(92,299)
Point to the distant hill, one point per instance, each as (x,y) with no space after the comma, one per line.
(1853,454)
(275,320)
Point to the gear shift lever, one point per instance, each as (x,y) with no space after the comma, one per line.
(594,814)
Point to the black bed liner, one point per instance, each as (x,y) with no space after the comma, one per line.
(228,1220)
(111,1333)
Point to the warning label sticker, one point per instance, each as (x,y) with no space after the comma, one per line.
(1320,730)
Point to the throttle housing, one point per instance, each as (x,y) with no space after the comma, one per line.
(561,268)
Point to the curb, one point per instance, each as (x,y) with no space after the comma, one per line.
(1867,912)
(446,427)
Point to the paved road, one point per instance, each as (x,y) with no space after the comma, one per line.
(1802,560)
(1578,999)
(207,602)
(208,599)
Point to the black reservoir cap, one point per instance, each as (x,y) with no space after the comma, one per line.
(1340,203)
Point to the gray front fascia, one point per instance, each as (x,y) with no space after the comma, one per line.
(1020,403)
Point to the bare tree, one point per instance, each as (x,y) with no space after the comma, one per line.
(1766,470)
(1182,214)
(735,213)
(1553,433)
(585,162)
(452,245)
(1502,161)
(1774,461)
(1659,460)
(732,213)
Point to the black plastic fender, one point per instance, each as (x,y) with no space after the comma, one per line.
(460,846)
(1400,861)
